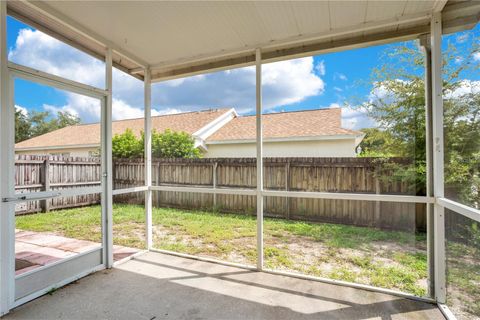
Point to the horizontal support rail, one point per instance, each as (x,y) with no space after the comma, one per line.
(58,185)
(32,196)
(43,195)
(55,81)
(349,196)
(445,310)
(129,190)
(83,163)
(80,191)
(243,192)
(29,186)
(300,194)
(462,209)
(74,184)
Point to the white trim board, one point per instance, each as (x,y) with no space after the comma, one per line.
(288,139)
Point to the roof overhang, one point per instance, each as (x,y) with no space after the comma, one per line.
(59,147)
(179,39)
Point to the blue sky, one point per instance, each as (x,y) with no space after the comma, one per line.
(32,95)
(310,83)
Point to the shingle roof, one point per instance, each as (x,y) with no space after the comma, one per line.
(89,134)
(311,123)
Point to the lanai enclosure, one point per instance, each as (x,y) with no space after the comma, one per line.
(159,41)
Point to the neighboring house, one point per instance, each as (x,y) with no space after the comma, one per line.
(219,133)
(312,133)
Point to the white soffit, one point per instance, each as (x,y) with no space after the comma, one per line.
(177,39)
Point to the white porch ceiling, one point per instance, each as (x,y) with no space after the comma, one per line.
(183,38)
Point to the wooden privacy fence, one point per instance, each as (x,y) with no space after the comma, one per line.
(55,173)
(346,175)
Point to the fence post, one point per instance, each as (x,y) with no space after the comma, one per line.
(46,183)
(377,221)
(214,181)
(287,187)
(159,182)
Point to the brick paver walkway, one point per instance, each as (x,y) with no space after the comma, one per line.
(36,249)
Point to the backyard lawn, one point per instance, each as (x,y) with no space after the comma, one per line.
(388,259)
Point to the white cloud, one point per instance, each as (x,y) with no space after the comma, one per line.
(465,87)
(321,68)
(476,56)
(23,110)
(381,92)
(88,109)
(283,83)
(337,89)
(341,76)
(355,118)
(462,38)
(40,51)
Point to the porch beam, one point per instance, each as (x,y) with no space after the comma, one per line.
(148,156)
(438,157)
(259,145)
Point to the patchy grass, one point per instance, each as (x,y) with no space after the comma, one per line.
(387,259)
(85,223)
(463,279)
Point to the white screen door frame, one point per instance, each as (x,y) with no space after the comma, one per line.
(17,290)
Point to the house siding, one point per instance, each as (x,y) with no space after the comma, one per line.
(323,148)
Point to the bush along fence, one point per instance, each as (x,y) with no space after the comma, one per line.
(347,175)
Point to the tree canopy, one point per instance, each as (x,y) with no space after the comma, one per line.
(34,123)
(397,106)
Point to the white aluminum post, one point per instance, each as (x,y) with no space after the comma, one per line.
(107,201)
(425,42)
(438,157)
(148,156)
(7,134)
(258,115)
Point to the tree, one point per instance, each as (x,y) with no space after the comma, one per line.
(34,123)
(398,107)
(22,126)
(377,143)
(42,122)
(169,144)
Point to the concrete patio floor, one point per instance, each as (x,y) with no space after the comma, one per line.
(36,249)
(159,286)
